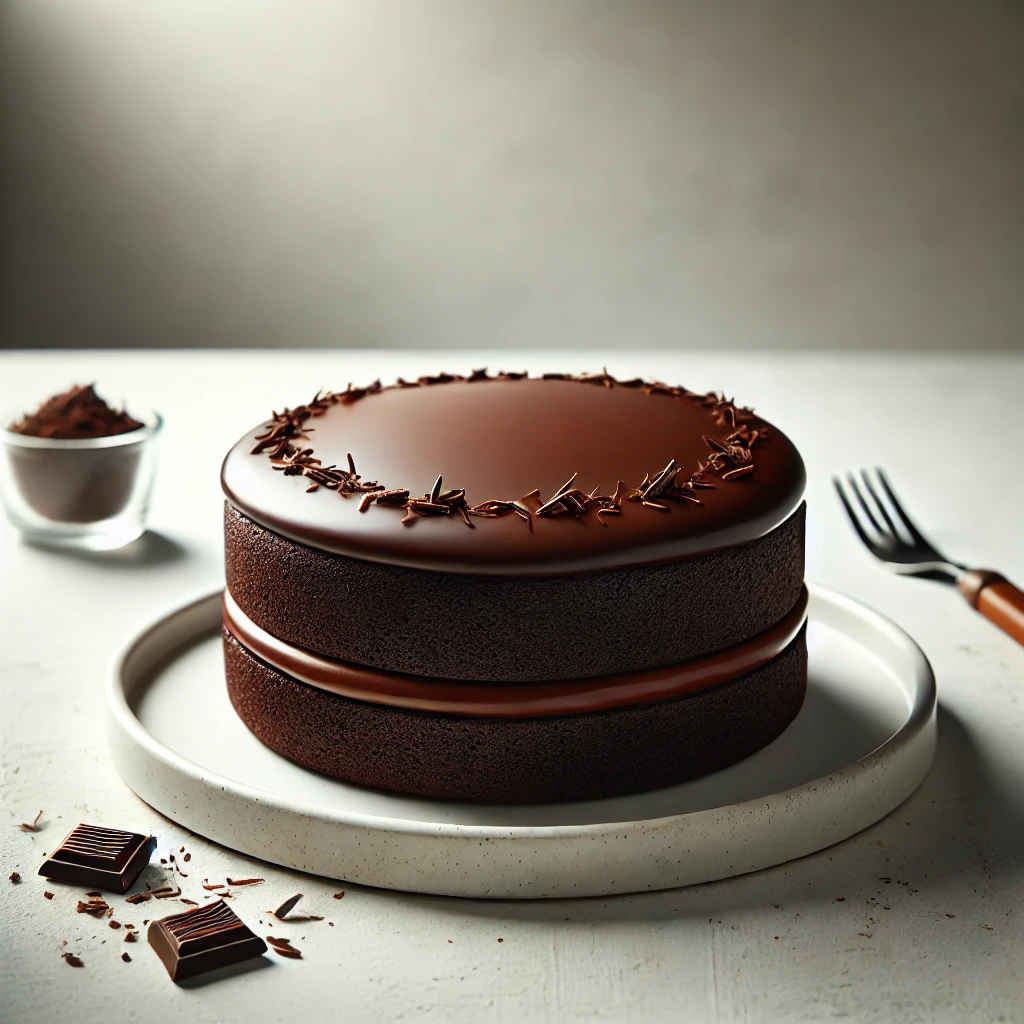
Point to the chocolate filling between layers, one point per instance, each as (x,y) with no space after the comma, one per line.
(512,629)
(512,700)
(536,760)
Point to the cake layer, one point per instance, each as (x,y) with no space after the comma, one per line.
(513,700)
(500,760)
(512,629)
(655,473)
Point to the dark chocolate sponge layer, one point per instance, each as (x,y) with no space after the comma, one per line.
(512,629)
(508,761)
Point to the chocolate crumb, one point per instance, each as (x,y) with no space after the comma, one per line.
(951,915)
(330,924)
(840,899)
(71,960)
(501,940)
(14,877)
(181,849)
(114,924)
(126,958)
(187,857)
(131,937)
(48,895)
(339,895)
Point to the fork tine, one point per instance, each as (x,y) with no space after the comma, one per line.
(852,480)
(908,523)
(881,508)
(869,542)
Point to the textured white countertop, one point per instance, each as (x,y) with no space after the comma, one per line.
(919,918)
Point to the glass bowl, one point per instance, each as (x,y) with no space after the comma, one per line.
(86,493)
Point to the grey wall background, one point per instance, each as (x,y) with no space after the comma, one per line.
(452,173)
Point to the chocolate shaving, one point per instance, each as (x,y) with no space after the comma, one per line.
(245,881)
(34,826)
(285,908)
(729,457)
(97,906)
(139,897)
(284,948)
(191,903)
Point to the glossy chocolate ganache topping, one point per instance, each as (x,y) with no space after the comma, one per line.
(508,474)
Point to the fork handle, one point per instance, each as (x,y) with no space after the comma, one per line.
(996,598)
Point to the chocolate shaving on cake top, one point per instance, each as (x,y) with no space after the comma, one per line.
(729,456)
(78,413)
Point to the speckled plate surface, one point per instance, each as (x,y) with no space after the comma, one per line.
(862,743)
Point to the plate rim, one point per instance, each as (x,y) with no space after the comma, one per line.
(122,717)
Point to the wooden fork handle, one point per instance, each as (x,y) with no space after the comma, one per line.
(996,598)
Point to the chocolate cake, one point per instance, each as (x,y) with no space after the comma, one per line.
(513,589)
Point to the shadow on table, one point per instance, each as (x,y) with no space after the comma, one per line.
(961,820)
(151,549)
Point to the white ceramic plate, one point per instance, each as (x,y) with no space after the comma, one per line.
(862,743)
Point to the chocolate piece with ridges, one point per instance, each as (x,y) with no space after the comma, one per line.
(107,858)
(202,940)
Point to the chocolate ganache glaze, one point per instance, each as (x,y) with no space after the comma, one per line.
(654,474)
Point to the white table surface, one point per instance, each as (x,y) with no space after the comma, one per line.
(917,919)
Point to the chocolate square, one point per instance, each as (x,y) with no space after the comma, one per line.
(101,858)
(203,939)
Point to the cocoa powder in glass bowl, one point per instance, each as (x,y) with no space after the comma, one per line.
(76,463)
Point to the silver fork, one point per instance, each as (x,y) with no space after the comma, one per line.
(893,538)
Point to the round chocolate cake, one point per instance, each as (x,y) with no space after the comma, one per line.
(513,589)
